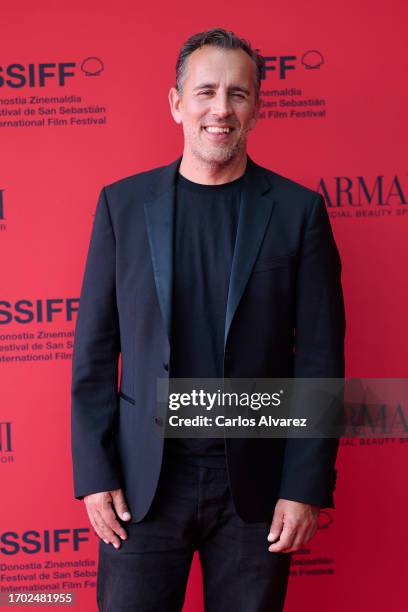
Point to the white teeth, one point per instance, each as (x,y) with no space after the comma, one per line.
(217,130)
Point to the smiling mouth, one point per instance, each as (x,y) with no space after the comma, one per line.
(212,129)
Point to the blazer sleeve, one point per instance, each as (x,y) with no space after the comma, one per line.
(309,474)
(94,394)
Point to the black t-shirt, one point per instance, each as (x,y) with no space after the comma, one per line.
(206,219)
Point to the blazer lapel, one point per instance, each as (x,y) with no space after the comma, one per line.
(255,211)
(159,214)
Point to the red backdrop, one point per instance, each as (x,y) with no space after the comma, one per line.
(83,102)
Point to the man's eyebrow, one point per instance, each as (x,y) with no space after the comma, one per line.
(214,86)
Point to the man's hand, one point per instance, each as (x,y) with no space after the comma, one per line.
(293,525)
(103,510)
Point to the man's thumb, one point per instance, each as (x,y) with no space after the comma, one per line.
(120,505)
(276,527)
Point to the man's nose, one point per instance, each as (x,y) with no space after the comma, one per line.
(221,105)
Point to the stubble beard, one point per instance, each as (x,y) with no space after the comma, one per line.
(216,156)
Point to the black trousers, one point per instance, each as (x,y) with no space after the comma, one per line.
(192,510)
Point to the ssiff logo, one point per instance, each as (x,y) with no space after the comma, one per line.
(282,64)
(6,442)
(34,541)
(17,75)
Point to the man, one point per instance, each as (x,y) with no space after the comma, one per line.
(211,266)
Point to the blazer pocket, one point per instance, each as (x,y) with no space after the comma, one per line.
(127,398)
(279,261)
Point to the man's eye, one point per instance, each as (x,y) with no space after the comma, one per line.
(205,92)
(239,95)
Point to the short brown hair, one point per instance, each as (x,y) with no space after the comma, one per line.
(223,39)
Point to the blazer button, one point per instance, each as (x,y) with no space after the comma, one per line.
(166,366)
(158,421)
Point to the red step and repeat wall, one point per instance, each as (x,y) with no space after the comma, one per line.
(83,102)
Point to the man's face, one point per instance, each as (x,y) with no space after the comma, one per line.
(217,105)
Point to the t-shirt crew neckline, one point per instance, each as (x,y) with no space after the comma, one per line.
(185,183)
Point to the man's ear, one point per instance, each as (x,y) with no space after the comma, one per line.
(174,101)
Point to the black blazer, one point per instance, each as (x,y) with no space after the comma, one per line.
(285,318)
